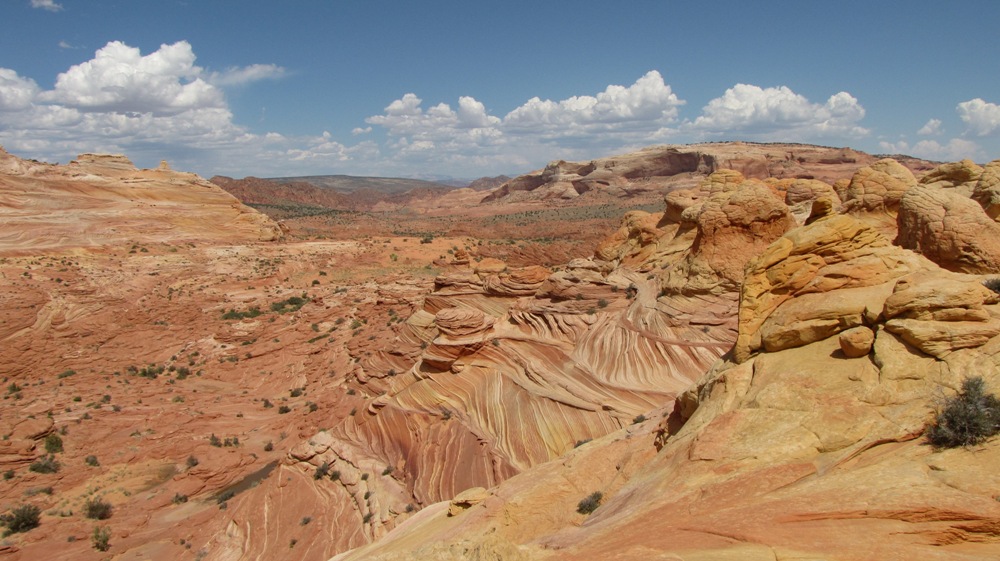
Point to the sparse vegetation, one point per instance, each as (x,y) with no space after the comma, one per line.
(250,313)
(292,304)
(967,419)
(100,538)
(322,471)
(45,464)
(590,503)
(21,519)
(91,461)
(97,509)
(53,443)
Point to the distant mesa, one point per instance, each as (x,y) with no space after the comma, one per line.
(658,167)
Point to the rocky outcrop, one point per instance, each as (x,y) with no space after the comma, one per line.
(878,187)
(987,190)
(815,282)
(961,176)
(949,229)
(734,220)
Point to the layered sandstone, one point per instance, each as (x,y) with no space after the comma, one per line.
(809,432)
(103,200)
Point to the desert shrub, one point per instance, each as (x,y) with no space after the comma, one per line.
(289,304)
(21,519)
(192,461)
(284,409)
(233,314)
(638,419)
(101,538)
(967,419)
(215,441)
(39,491)
(590,503)
(269,446)
(96,509)
(45,464)
(91,461)
(321,471)
(53,443)
(179,499)
(993,284)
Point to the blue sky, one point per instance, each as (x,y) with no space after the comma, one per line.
(468,89)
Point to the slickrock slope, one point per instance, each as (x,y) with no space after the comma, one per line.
(806,442)
(101,200)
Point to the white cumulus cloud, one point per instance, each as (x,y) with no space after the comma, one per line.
(120,78)
(982,117)
(953,150)
(49,5)
(16,93)
(779,112)
(648,102)
(931,128)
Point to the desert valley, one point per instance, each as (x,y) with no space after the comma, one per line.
(720,351)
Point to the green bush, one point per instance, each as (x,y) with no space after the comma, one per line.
(967,419)
(101,538)
(53,443)
(590,503)
(96,509)
(21,519)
